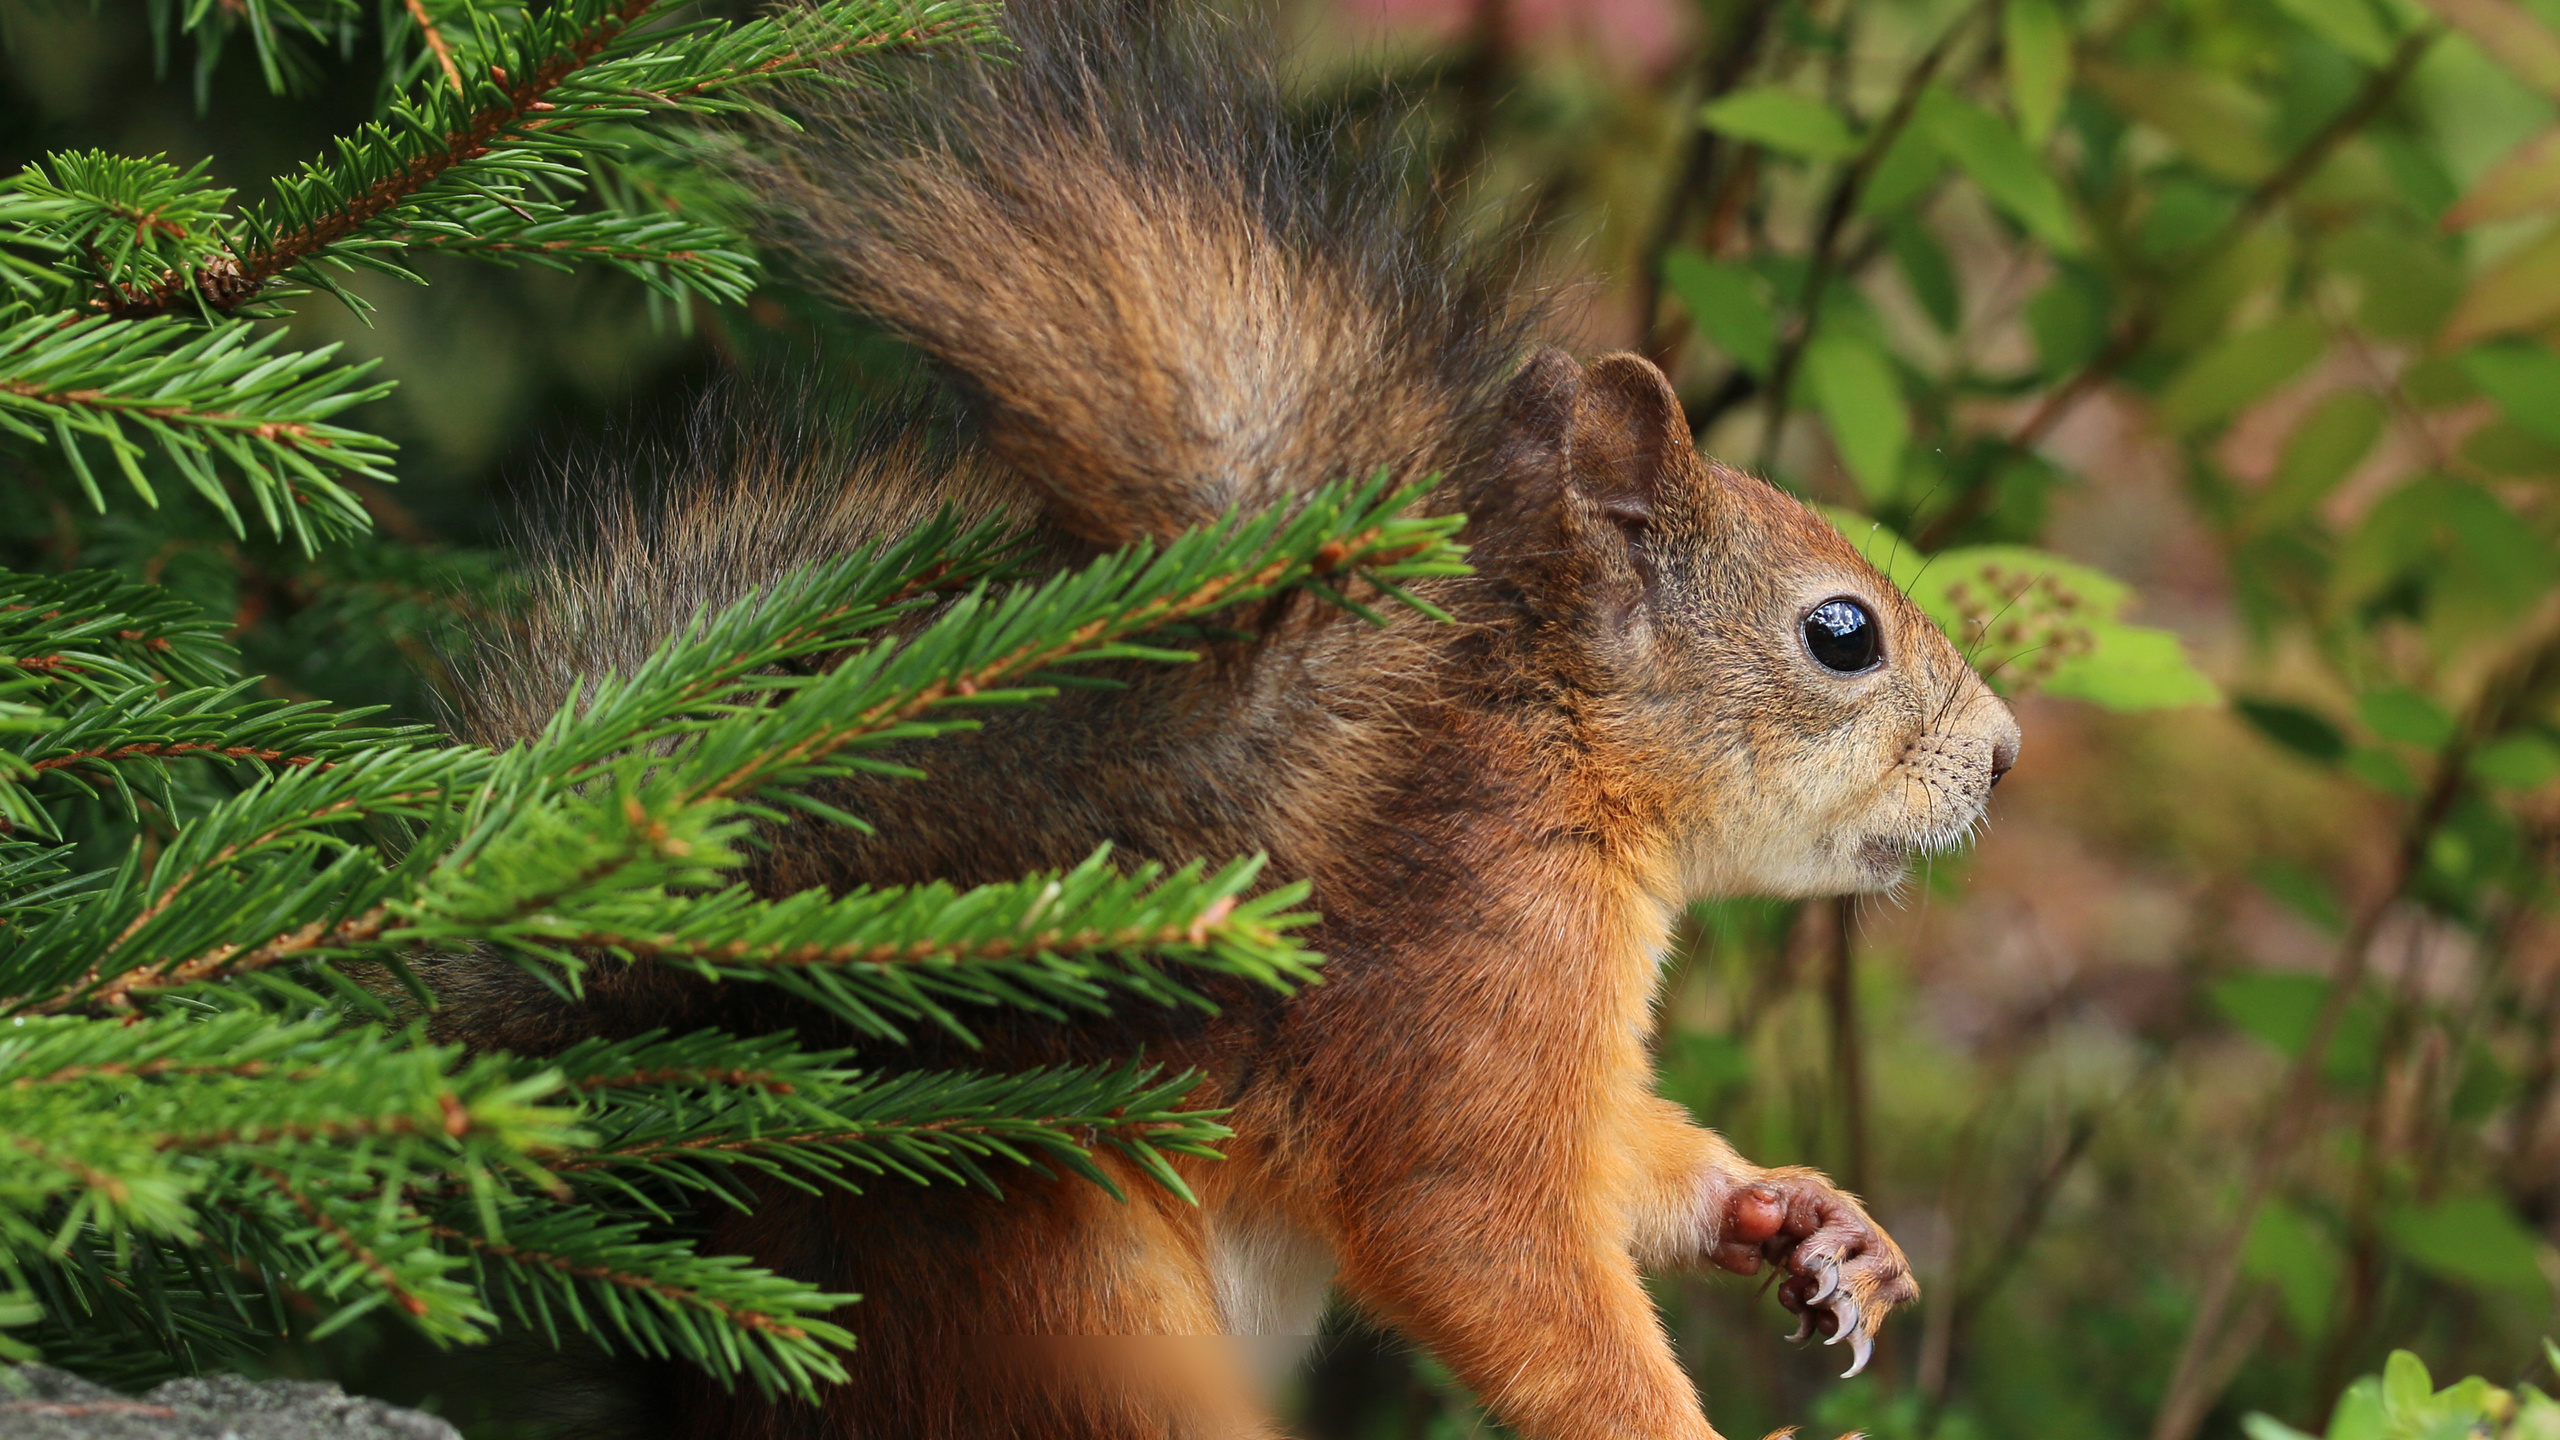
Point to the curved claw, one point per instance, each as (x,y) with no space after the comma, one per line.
(1830,1283)
(1860,1350)
(1804,1327)
(1845,1310)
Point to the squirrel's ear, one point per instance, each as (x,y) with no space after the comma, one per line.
(1580,459)
(1630,439)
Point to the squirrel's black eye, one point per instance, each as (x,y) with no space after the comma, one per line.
(1842,636)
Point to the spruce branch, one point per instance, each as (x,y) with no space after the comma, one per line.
(202,397)
(258,878)
(1054,944)
(671,254)
(523,103)
(127,740)
(659,1297)
(807,1119)
(91,632)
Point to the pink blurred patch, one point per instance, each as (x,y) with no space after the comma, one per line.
(1641,35)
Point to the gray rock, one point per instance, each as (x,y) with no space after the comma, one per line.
(40,1403)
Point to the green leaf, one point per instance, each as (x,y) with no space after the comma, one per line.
(2510,35)
(1988,151)
(2406,1386)
(2472,1240)
(2132,667)
(2240,370)
(2329,442)
(1781,119)
(2303,891)
(2358,1414)
(1924,266)
(2520,292)
(2351,25)
(2278,1007)
(2303,731)
(2282,1009)
(2526,181)
(2523,376)
(2410,283)
(1902,174)
(2259,1426)
(1861,399)
(2030,620)
(2036,44)
(2518,762)
(2220,125)
(2382,770)
(2288,1248)
(2406,717)
(1727,304)
(2068,318)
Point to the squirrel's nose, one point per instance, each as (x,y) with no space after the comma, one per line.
(2004,756)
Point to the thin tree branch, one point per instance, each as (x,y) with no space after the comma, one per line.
(749,1319)
(1198,930)
(2193,1383)
(1836,209)
(435,42)
(2368,103)
(1720,69)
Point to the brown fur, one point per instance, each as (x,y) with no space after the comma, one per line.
(1161,303)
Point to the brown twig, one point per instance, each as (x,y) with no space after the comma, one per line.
(383,1274)
(162,751)
(748,1319)
(435,42)
(231,960)
(2126,343)
(748,1144)
(1836,209)
(159,1069)
(231,280)
(1213,594)
(1848,1059)
(1195,931)
(290,434)
(1721,67)
(454,1122)
(2192,1388)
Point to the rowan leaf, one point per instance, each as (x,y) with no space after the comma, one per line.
(2526,181)
(1990,152)
(2518,293)
(1782,119)
(2036,46)
(2510,35)
(1861,399)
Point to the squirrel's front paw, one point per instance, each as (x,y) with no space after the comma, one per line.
(1843,1272)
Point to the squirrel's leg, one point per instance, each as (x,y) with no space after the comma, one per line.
(1459,1129)
(1054,1311)
(1532,1304)
(1699,1201)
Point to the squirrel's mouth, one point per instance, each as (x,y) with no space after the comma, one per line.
(1885,859)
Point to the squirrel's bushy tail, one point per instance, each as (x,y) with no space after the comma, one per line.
(1164,297)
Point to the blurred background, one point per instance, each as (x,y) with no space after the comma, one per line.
(2207,343)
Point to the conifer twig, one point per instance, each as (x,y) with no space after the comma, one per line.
(428,31)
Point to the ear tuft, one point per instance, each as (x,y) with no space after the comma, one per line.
(1538,405)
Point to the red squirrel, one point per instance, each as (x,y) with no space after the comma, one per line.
(1158,299)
